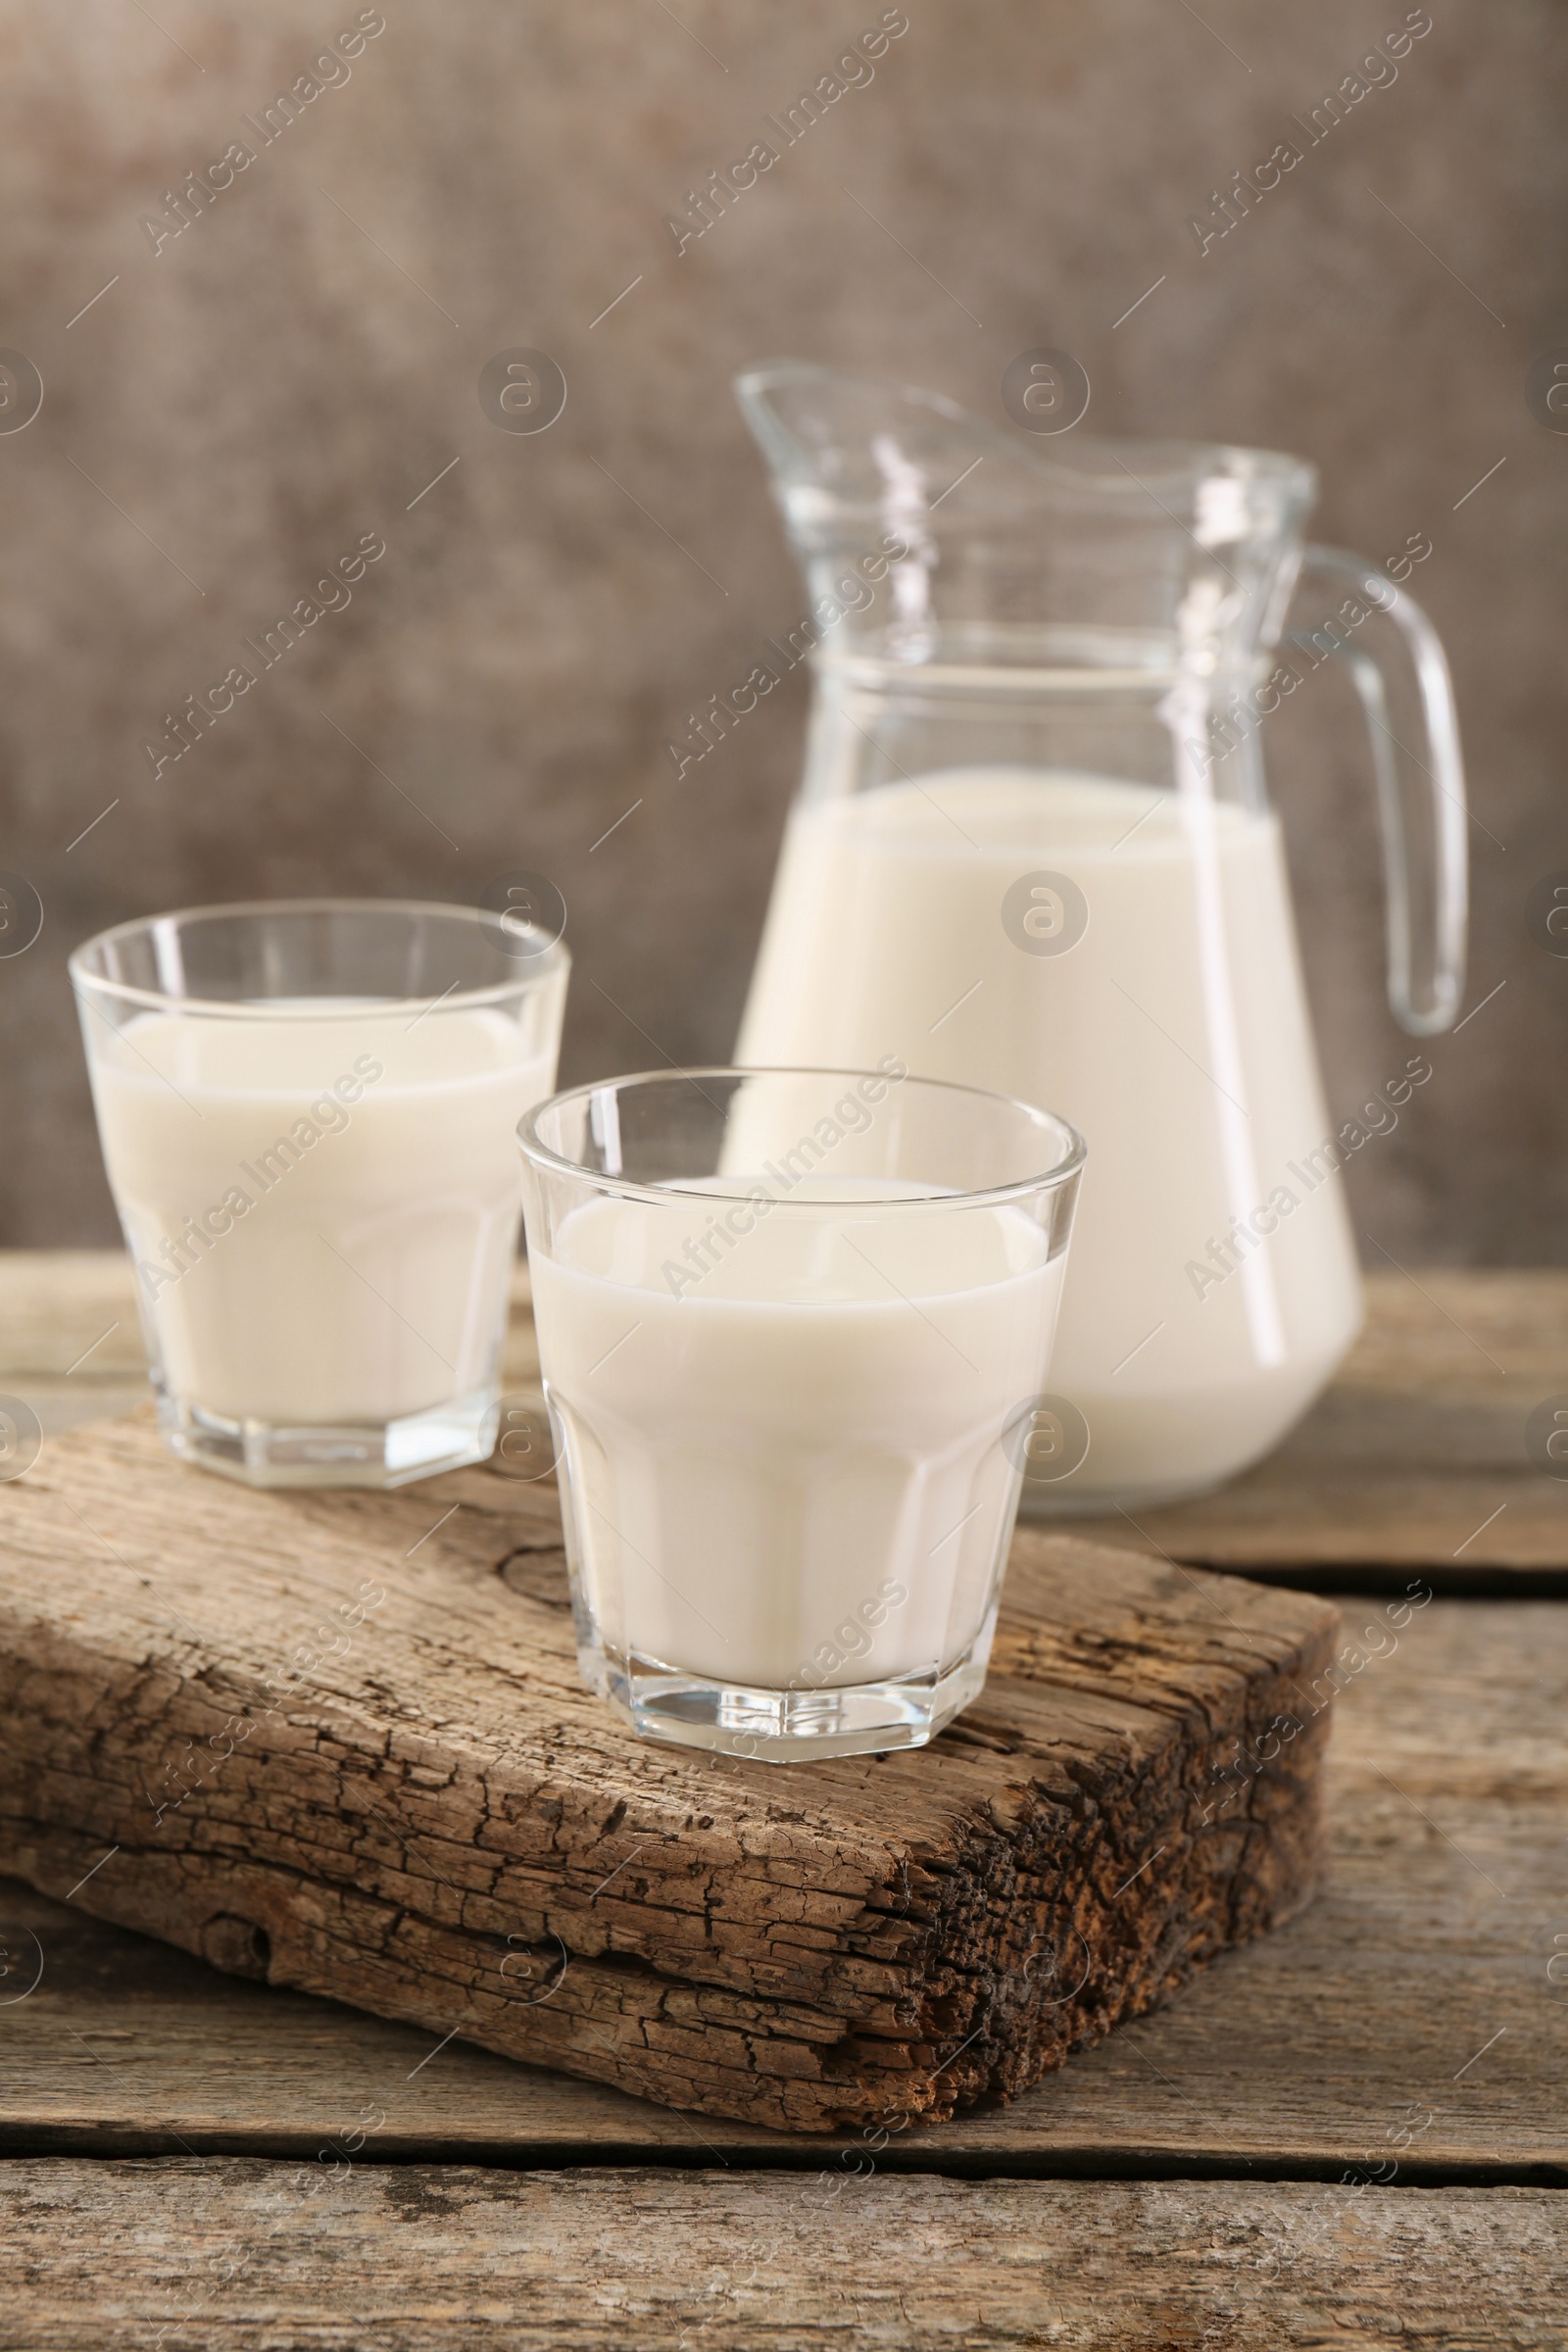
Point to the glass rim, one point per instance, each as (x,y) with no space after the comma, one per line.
(541,1155)
(549,960)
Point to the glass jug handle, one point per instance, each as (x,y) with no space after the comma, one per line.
(1397,667)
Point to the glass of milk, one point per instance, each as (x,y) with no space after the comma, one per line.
(794,1329)
(306,1110)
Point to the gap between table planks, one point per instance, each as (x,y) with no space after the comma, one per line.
(1413,1459)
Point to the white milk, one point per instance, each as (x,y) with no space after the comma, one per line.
(339,1198)
(1174,1036)
(791,1472)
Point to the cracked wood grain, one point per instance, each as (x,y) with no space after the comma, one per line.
(419,1810)
(1417,2009)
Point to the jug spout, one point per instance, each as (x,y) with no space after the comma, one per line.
(847,453)
(994,544)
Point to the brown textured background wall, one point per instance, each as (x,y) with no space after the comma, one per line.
(298,364)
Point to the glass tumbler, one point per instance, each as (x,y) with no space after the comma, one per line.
(306,1110)
(793,1328)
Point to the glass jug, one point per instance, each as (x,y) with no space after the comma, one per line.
(1033,851)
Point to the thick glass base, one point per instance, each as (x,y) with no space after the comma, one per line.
(783,1727)
(376,1453)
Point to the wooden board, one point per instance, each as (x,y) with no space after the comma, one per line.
(339,1739)
(252,2257)
(1414,1459)
(1348,2037)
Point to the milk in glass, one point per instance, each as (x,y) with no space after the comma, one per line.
(324,1207)
(793,1472)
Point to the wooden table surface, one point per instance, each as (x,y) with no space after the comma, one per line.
(1351,2133)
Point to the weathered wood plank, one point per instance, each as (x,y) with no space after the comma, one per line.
(1415,1457)
(253,2257)
(420,1810)
(1442,1931)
